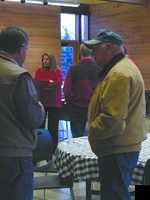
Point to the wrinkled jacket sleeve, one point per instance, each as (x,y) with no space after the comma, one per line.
(26,100)
(109,108)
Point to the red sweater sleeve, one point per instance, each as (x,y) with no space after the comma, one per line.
(39,80)
(57,80)
(43,78)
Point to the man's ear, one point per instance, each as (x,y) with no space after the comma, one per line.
(21,48)
(109,45)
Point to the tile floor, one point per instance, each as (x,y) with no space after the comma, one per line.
(64,194)
(79,189)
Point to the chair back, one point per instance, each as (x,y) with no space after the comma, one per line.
(44,148)
(146,175)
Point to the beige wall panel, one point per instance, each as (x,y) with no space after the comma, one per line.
(42,24)
(132,22)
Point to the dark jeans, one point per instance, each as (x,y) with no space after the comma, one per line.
(78,120)
(115,174)
(16,178)
(53,122)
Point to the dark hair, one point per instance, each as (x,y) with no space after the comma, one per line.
(52,59)
(11,39)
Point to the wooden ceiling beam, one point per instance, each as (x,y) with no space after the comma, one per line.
(82,1)
(138,2)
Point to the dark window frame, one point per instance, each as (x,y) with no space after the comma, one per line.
(83,9)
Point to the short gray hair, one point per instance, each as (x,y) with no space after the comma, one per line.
(85,52)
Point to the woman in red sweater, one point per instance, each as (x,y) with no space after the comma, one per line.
(48,79)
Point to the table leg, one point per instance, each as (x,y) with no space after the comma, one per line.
(88,190)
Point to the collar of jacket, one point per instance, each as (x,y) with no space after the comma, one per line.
(110,64)
(85,60)
(6,56)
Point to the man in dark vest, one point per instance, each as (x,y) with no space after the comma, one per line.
(20,115)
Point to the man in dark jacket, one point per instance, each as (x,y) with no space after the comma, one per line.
(20,114)
(79,86)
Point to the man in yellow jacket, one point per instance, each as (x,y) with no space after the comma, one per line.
(116,115)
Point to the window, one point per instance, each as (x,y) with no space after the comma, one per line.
(84,28)
(66,59)
(67,26)
(70,27)
(74,30)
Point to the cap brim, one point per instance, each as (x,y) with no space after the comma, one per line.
(89,44)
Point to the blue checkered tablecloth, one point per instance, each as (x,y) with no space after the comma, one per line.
(74,158)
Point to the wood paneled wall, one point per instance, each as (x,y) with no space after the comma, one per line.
(41,23)
(132,22)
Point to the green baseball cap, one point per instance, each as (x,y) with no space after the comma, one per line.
(105,36)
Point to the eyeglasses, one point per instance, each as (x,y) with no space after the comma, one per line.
(95,47)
